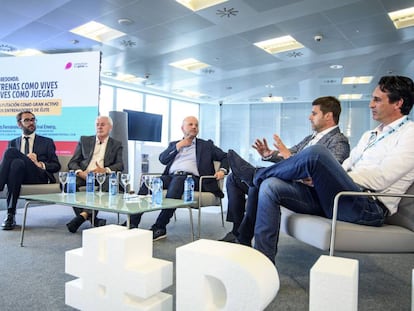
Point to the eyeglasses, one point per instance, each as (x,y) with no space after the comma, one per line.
(29,120)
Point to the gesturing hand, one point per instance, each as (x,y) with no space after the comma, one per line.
(280,146)
(262,148)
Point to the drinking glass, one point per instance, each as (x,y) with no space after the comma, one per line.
(125,178)
(100,178)
(147,180)
(63,179)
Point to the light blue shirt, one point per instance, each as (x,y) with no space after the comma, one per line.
(186,160)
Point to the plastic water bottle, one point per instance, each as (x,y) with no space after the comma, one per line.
(71,185)
(189,189)
(157,187)
(113,184)
(90,182)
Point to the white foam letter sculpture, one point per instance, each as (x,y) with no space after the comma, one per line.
(213,275)
(334,284)
(116,271)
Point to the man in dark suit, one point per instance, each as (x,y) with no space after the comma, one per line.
(324,120)
(99,154)
(29,159)
(189,155)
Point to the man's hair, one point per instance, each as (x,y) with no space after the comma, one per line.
(19,115)
(111,123)
(329,104)
(398,87)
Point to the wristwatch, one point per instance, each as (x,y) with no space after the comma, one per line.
(223,170)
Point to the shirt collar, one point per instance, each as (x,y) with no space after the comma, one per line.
(324,132)
(101,141)
(381,128)
(31,136)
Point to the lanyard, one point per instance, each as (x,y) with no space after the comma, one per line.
(373,138)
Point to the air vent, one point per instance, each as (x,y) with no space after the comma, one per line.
(6,48)
(227,12)
(128,43)
(331,81)
(208,71)
(294,54)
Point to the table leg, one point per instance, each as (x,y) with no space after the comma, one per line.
(191,223)
(128,221)
(93,218)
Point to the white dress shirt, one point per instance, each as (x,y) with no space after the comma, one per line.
(98,154)
(23,142)
(388,164)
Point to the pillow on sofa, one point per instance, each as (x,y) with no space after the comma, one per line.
(405,215)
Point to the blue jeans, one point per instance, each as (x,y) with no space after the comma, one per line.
(278,187)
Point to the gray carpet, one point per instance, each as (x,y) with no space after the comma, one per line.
(33,278)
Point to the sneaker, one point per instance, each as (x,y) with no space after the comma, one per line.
(158,233)
(229,237)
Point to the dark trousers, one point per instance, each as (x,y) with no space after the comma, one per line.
(175,189)
(246,228)
(17,169)
(80,182)
(236,194)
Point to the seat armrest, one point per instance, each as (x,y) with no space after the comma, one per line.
(202,178)
(355,194)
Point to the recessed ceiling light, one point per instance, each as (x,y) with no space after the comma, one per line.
(349,96)
(278,45)
(130,78)
(402,18)
(189,64)
(196,5)
(97,31)
(125,21)
(357,80)
(272,99)
(336,66)
(109,74)
(26,52)
(191,94)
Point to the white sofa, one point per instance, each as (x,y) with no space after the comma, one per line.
(396,236)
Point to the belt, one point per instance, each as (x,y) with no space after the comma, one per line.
(182,173)
(385,210)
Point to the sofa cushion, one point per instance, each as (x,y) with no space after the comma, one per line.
(405,215)
(316,231)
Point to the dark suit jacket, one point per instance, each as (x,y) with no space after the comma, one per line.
(335,141)
(84,152)
(206,154)
(45,150)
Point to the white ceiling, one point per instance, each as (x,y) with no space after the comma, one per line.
(356,34)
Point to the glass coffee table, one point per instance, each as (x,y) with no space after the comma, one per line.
(129,205)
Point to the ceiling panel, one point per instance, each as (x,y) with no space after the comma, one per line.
(356,34)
